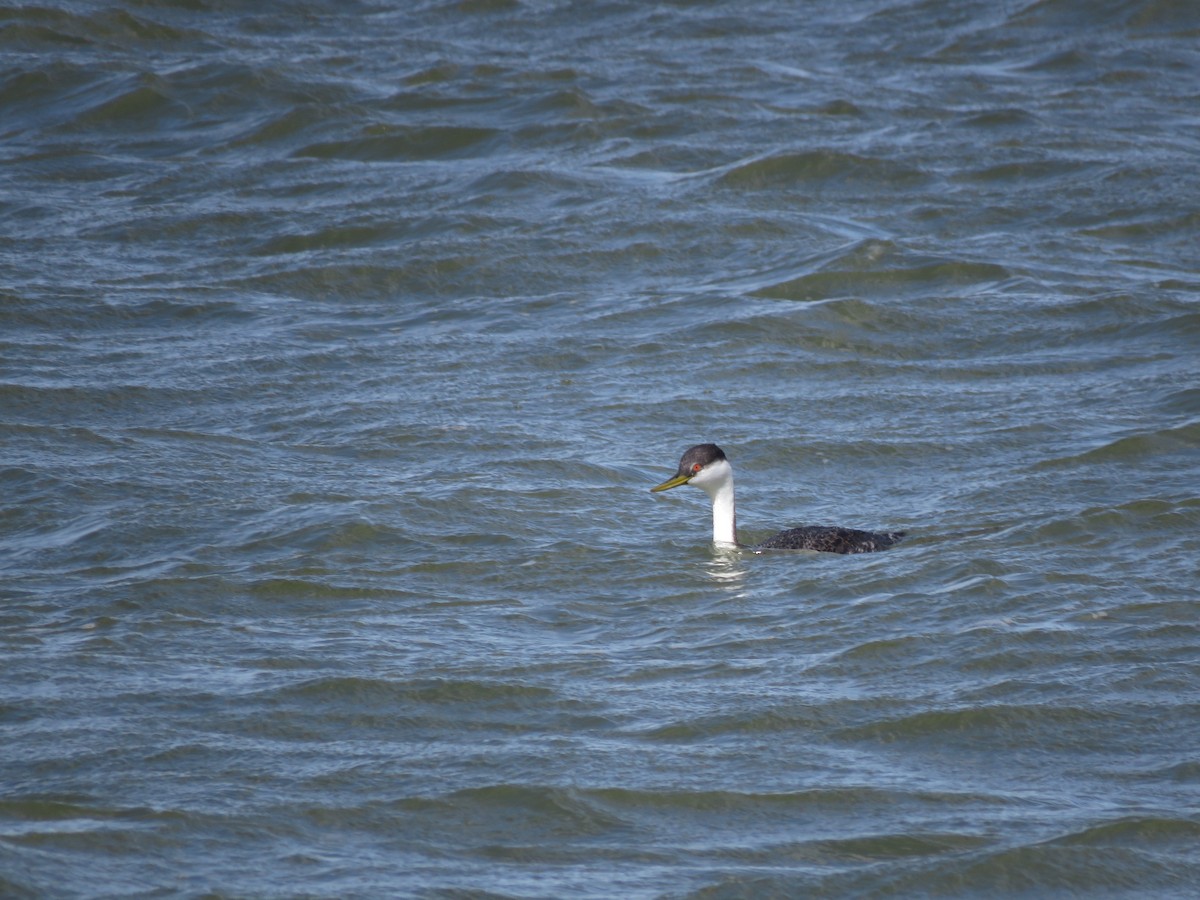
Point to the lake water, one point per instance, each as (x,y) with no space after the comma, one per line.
(340,343)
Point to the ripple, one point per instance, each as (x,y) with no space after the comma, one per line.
(397,143)
(822,170)
(1165,442)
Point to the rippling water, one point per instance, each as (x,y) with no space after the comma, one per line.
(340,343)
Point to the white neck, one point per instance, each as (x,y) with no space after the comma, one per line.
(724,516)
(718,484)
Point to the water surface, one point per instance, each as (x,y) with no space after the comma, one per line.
(340,344)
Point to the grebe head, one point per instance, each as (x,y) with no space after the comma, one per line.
(704,466)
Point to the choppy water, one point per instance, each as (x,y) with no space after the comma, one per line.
(340,343)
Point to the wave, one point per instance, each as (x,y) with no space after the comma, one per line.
(403,144)
(820,170)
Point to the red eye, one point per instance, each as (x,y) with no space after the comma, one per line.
(696,467)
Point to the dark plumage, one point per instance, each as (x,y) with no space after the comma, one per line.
(830,539)
(702,454)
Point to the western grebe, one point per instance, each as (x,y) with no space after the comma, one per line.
(706,467)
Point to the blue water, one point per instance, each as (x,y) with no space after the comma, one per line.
(340,344)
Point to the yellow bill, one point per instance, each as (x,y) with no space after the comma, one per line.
(670,483)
